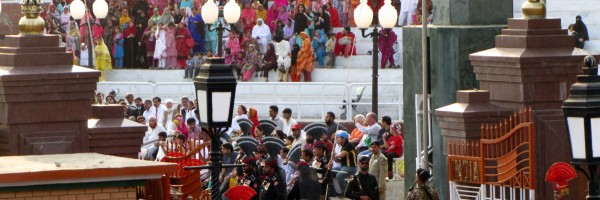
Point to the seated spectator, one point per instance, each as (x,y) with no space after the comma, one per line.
(345,43)
(356,135)
(393,145)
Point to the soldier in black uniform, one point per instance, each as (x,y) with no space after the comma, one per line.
(273,186)
(250,176)
(363,185)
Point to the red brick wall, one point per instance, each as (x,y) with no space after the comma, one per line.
(122,193)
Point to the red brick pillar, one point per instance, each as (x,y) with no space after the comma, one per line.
(461,121)
(44,99)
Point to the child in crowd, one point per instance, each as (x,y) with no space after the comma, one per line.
(329,46)
(239,62)
(261,64)
(118,51)
(209,54)
(189,69)
(228,56)
(198,61)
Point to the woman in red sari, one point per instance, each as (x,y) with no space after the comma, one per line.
(334,17)
(253,116)
(345,43)
(183,51)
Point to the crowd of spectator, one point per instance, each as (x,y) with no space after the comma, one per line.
(335,149)
(281,35)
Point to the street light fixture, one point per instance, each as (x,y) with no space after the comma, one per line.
(210,14)
(582,113)
(215,90)
(79,10)
(363,16)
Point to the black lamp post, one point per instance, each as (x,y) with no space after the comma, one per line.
(375,36)
(582,113)
(215,90)
(219,30)
(363,15)
(211,12)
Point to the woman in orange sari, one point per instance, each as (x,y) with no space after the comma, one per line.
(253,116)
(305,60)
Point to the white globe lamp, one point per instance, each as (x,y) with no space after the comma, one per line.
(363,15)
(232,12)
(77,9)
(210,12)
(388,15)
(100,8)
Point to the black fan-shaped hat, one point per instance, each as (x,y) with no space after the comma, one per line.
(267,126)
(245,126)
(273,145)
(316,130)
(295,153)
(247,144)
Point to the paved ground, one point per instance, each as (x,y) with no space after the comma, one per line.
(395,191)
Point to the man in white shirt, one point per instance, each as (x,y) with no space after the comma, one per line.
(273,116)
(187,111)
(288,122)
(147,110)
(157,109)
(371,126)
(151,137)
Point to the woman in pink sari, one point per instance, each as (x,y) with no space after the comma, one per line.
(171,46)
(181,126)
(272,16)
(284,15)
(233,43)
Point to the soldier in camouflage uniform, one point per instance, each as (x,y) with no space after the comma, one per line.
(421,190)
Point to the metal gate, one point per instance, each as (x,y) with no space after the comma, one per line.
(498,166)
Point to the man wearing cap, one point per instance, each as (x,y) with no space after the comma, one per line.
(363,185)
(378,164)
(356,135)
(272,187)
(250,177)
(299,136)
(422,190)
(347,159)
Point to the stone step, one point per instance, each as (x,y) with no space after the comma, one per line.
(347,75)
(364,45)
(566,10)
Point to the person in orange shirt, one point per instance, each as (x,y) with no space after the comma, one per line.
(356,134)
